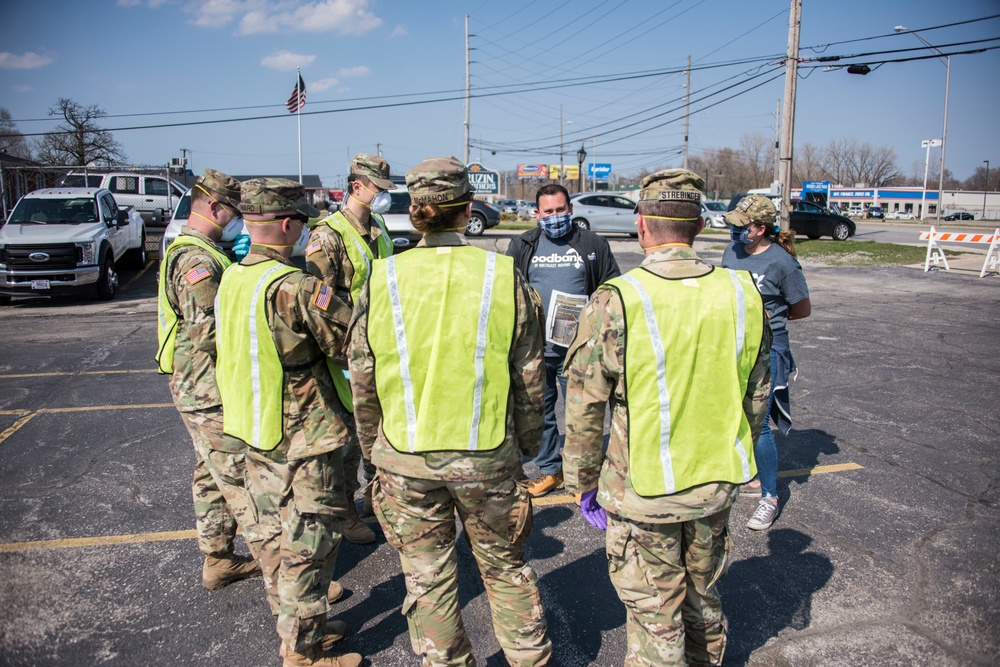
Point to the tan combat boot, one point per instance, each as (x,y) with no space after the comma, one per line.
(315,656)
(219,572)
(335,592)
(333,632)
(357,531)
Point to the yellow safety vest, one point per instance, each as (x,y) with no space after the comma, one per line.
(361,258)
(247,368)
(166,332)
(690,345)
(440,326)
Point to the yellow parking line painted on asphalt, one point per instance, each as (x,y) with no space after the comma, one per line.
(76,542)
(13,428)
(798,472)
(820,470)
(15,376)
(138,275)
(86,408)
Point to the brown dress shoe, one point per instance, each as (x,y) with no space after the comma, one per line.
(545,484)
(219,572)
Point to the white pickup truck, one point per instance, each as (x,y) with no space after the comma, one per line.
(66,240)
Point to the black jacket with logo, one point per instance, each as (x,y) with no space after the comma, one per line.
(598,262)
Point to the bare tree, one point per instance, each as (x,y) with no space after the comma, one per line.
(874,166)
(756,149)
(12,142)
(807,165)
(79,141)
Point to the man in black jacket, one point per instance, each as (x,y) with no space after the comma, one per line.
(564,264)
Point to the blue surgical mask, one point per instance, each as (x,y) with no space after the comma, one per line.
(739,235)
(556,225)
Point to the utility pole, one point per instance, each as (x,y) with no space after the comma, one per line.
(788,118)
(378,149)
(467,91)
(777,140)
(687,112)
(561,169)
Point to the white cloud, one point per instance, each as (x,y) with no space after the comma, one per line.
(286,60)
(30,60)
(345,17)
(321,85)
(358,70)
(399,31)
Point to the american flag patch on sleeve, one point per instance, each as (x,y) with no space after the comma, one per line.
(322,297)
(312,247)
(197,275)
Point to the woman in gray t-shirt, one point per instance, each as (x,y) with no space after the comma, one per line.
(769,255)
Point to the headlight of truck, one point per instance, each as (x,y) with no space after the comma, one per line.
(86,253)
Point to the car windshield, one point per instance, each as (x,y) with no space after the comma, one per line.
(77,181)
(715,206)
(183,211)
(54,211)
(400,202)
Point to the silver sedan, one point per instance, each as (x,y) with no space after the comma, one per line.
(604,212)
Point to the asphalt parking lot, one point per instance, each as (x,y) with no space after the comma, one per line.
(885,551)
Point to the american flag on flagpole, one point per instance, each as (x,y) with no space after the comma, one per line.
(297,99)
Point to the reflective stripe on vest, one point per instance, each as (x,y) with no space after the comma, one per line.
(452,310)
(361,257)
(166,331)
(253,411)
(690,346)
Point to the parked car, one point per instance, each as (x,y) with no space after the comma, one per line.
(875,212)
(152,196)
(960,215)
(404,236)
(527,210)
(814,221)
(604,212)
(712,212)
(508,206)
(855,211)
(484,216)
(60,241)
(899,215)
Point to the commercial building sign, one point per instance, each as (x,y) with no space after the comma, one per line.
(598,171)
(482,180)
(532,171)
(570,172)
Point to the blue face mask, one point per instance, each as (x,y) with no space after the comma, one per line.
(557,225)
(739,235)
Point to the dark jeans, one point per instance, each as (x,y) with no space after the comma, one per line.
(549,459)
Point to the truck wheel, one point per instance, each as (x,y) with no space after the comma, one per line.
(107,283)
(136,258)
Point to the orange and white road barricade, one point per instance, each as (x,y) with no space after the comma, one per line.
(935,254)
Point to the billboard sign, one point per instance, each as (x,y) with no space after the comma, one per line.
(598,171)
(532,171)
(570,172)
(482,180)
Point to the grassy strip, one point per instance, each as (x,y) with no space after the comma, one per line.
(513,226)
(862,253)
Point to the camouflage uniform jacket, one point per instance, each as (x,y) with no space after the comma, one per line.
(304,334)
(594,367)
(524,404)
(327,259)
(191,293)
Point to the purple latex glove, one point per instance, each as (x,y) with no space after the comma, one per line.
(592,512)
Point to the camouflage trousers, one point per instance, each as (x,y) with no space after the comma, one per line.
(300,522)
(665,574)
(221,500)
(352,464)
(418,519)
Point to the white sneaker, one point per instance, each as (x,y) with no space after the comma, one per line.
(764,515)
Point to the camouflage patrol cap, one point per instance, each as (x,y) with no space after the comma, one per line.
(672,185)
(374,167)
(756,209)
(438,180)
(263,196)
(222,186)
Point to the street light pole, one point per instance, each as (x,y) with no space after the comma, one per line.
(986,186)
(944,131)
(927,143)
(581,155)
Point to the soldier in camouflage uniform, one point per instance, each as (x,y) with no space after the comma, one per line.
(447,402)
(276,327)
(340,251)
(189,279)
(659,344)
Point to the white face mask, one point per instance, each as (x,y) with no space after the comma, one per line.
(233,229)
(381,203)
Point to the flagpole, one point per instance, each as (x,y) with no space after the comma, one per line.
(298,116)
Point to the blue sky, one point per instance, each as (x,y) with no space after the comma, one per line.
(180,59)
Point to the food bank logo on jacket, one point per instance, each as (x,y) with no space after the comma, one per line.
(557,261)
